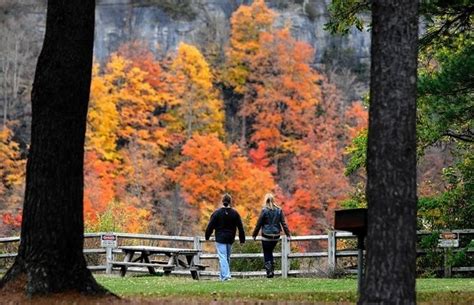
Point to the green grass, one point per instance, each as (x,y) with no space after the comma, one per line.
(301,289)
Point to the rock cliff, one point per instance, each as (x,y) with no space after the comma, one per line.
(206,23)
(165,23)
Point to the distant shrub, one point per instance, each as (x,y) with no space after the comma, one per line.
(247,264)
(119,217)
(256,264)
(432,263)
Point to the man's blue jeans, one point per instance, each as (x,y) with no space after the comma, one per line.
(223,252)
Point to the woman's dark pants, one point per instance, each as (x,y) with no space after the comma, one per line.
(268,247)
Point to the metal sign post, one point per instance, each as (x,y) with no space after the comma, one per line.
(448,240)
(109,242)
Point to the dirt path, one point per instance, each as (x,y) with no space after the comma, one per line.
(77,299)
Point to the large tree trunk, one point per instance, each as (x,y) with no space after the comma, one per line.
(50,256)
(391,155)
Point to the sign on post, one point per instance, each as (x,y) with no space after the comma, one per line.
(108,240)
(448,240)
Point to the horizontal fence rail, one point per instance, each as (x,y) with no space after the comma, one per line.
(328,243)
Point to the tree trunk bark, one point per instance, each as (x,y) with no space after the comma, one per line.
(391,155)
(50,257)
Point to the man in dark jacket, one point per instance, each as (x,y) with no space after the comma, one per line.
(225,221)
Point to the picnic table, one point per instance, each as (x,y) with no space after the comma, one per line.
(178,259)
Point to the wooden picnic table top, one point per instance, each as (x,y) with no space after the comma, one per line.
(159,250)
(174,261)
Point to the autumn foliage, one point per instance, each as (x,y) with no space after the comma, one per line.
(12,172)
(319,168)
(196,105)
(211,168)
(159,154)
(285,89)
(247,24)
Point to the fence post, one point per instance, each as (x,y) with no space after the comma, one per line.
(197,246)
(331,252)
(447,264)
(285,250)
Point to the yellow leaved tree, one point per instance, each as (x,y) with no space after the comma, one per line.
(196,106)
(247,24)
(103,117)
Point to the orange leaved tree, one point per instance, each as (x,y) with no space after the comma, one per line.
(286,91)
(247,24)
(320,184)
(212,168)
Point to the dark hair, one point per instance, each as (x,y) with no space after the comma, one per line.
(226,199)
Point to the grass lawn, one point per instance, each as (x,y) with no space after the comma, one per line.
(449,291)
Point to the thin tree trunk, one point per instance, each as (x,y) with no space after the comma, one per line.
(5,92)
(391,155)
(5,111)
(243,131)
(50,256)
(15,72)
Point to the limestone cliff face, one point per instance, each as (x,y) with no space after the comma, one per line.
(162,27)
(205,23)
(166,23)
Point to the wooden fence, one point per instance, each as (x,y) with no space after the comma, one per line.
(332,259)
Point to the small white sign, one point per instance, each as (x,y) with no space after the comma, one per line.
(448,243)
(108,240)
(448,240)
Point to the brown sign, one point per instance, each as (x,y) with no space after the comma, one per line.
(448,235)
(448,240)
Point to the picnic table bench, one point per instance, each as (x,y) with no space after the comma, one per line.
(178,259)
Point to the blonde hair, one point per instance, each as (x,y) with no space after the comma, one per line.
(269,202)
